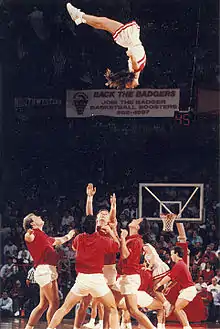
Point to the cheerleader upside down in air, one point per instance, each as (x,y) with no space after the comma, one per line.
(125,35)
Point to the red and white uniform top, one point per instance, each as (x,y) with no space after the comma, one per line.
(91,250)
(128,36)
(181,274)
(131,265)
(42,250)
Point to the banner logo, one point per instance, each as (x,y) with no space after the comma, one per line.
(80,100)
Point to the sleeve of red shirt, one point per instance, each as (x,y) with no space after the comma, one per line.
(174,273)
(135,244)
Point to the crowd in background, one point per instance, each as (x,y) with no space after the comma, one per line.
(52,182)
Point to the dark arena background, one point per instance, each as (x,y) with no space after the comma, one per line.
(62,128)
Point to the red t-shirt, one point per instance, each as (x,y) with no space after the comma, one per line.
(42,250)
(90,252)
(181,274)
(131,265)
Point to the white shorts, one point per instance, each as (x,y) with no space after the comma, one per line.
(188,293)
(143,300)
(93,284)
(127,284)
(128,35)
(45,274)
(160,271)
(110,274)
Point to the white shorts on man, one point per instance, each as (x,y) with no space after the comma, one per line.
(93,284)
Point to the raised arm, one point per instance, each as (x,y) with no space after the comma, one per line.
(112,215)
(124,250)
(181,232)
(90,191)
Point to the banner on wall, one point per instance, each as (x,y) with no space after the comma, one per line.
(122,103)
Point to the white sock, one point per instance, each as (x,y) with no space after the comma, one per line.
(101,321)
(73,328)
(160,326)
(187,327)
(29,327)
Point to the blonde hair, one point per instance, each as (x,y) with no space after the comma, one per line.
(27,221)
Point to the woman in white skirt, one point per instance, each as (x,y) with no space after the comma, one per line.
(159,271)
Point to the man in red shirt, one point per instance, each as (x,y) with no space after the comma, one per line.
(90,248)
(180,273)
(41,248)
(129,281)
(103,218)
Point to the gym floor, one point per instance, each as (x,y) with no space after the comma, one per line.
(68,324)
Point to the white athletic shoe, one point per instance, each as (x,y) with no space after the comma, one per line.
(89,325)
(98,326)
(75,13)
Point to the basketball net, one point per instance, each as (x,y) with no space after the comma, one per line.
(168,221)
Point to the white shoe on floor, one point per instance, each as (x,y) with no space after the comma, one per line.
(98,326)
(89,325)
(75,13)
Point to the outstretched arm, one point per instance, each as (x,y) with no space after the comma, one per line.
(64,239)
(165,280)
(90,191)
(181,232)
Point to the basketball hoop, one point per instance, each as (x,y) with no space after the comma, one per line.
(168,221)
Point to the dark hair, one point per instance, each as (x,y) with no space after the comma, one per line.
(144,228)
(119,79)
(89,224)
(27,221)
(179,251)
